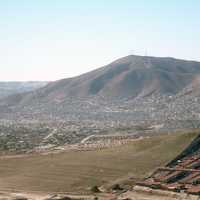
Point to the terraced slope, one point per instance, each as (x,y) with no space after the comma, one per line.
(182,173)
(77,171)
(127,77)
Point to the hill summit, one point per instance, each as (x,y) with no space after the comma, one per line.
(127,77)
(130,88)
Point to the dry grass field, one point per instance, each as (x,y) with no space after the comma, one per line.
(78,171)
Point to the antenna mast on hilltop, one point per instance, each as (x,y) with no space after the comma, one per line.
(132,52)
(145,53)
(148,60)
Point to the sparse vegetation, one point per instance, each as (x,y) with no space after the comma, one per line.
(78,171)
(95,189)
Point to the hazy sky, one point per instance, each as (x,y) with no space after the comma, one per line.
(54,39)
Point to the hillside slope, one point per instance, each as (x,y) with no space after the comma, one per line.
(131,88)
(77,171)
(181,174)
(128,77)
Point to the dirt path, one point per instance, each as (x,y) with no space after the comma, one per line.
(5,195)
(113,136)
(143,193)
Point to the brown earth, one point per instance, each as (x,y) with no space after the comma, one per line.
(78,171)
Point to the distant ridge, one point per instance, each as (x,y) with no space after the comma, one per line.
(130,76)
(126,79)
(14,87)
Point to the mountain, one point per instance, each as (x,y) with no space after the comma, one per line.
(128,77)
(130,88)
(10,88)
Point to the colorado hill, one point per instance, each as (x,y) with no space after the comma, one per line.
(160,84)
(128,77)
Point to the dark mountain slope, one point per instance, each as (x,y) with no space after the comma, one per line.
(128,77)
(133,88)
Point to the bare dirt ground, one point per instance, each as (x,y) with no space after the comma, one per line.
(143,193)
(137,193)
(41,175)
